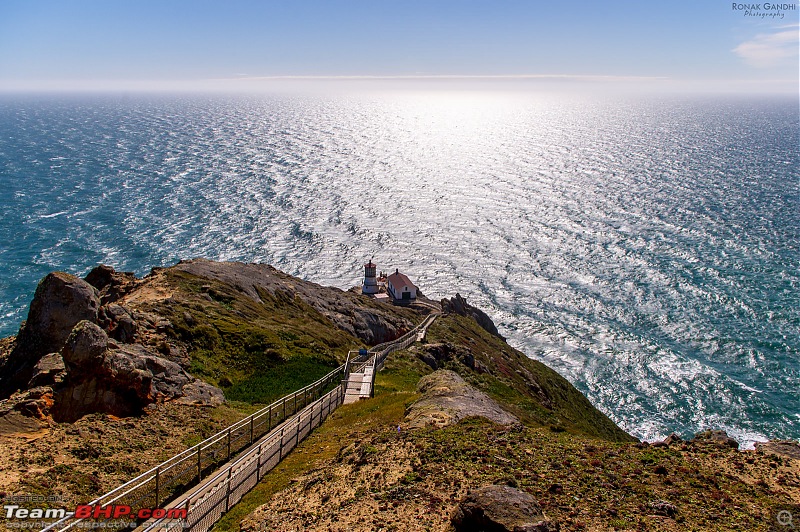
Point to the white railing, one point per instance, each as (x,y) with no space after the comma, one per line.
(205,506)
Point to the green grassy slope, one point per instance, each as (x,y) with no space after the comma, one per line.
(332,480)
(536,394)
(255,351)
(258,351)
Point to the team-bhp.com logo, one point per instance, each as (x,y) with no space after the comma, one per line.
(85,511)
(96,511)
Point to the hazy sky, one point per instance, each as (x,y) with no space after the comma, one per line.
(135,44)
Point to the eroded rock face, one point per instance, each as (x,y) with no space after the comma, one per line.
(447,399)
(85,347)
(69,346)
(715,437)
(434,355)
(35,402)
(118,322)
(25,413)
(49,370)
(501,509)
(672,439)
(111,284)
(103,376)
(363,319)
(788,448)
(198,392)
(458,305)
(61,301)
(371,326)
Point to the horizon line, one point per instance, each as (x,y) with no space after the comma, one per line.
(246,82)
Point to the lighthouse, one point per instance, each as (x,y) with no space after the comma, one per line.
(370,285)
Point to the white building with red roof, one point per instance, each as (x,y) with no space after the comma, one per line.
(400,287)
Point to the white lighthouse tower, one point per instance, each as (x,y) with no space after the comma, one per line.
(370,285)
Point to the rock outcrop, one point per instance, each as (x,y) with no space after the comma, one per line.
(787,448)
(103,376)
(458,305)
(437,354)
(447,399)
(118,322)
(74,356)
(60,302)
(48,371)
(363,318)
(111,284)
(672,439)
(715,437)
(501,509)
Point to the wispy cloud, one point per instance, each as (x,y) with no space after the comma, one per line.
(767,50)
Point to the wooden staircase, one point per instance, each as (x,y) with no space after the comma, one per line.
(359,384)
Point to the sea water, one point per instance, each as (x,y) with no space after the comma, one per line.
(647,248)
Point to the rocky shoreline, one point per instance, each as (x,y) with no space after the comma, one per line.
(464,427)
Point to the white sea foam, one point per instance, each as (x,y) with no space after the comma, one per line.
(45,216)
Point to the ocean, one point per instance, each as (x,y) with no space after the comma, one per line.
(645,247)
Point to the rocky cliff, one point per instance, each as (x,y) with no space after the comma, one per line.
(113,343)
(461,426)
(417,457)
(75,356)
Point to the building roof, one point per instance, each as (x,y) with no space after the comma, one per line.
(398,280)
(370,265)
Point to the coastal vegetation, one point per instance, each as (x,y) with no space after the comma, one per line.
(254,333)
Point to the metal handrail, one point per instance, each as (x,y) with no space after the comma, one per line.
(241,471)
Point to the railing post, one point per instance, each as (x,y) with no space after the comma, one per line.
(188,499)
(280,448)
(228,492)
(157,486)
(229,444)
(251,430)
(284,409)
(269,423)
(258,464)
(374,370)
(199,465)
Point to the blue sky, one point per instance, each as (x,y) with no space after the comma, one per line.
(127,44)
